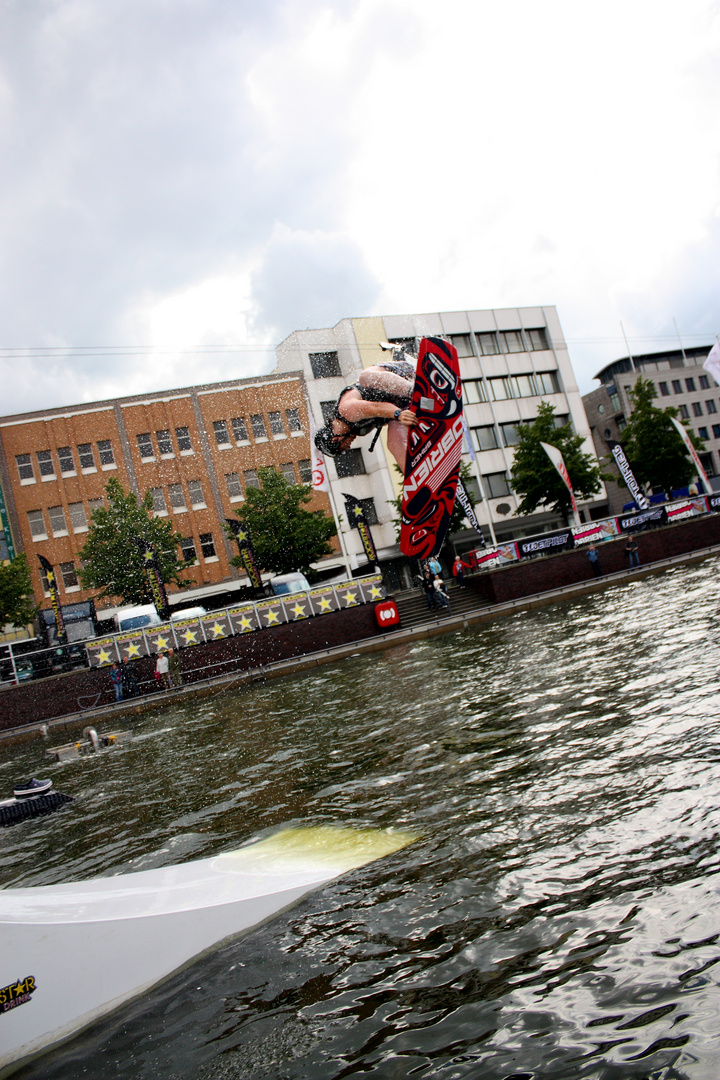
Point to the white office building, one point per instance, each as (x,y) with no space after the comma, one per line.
(511,359)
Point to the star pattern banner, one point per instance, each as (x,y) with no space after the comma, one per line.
(323,600)
(54,599)
(270,612)
(102,652)
(297,607)
(244,618)
(372,589)
(160,638)
(154,576)
(131,644)
(216,626)
(246,551)
(188,632)
(349,594)
(356,518)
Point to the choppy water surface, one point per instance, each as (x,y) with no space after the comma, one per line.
(559,916)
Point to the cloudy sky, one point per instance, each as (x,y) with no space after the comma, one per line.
(184,182)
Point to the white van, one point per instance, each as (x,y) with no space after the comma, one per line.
(284,584)
(188,613)
(137,618)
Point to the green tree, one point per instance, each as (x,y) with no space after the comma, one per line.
(112,561)
(656,453)
(535,478)
(17,604)
(458,514)
(285,536)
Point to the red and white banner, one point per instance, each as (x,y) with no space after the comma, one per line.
(692,451)
(712,364)
(319,468)
(557,459)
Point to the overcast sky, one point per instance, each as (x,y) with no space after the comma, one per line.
(185,182)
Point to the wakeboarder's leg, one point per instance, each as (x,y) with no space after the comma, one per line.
(397,437)
(386,381)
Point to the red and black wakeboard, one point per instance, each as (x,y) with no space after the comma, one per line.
(432,465)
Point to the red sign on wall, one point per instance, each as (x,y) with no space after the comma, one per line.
(387,614)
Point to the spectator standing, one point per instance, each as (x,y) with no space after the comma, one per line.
(458,568)
(594,560)
(434,565)
(129,681)
(632,551)
(175,667)
(440,591)
(116,677)
(427,583)
(162,672)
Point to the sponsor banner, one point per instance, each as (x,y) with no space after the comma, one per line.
(487,558)
(216,626)
(102,652)
(243,618)
(131,644)
(160,638)
(464,499)
(188,632)
(713,501)
(349,594)
(558,461)
(372,588)
(51,579)
(544,545)
(297,606)
(270,613)
(682,432)
(154,576)
(323,600)
(684,509)
(630,522)
(595,532)
(627,474)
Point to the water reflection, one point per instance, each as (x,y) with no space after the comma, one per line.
(558,918)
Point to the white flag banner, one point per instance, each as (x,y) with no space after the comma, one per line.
(468,441)
(712,364)
(692,452)
(319,468)
(557,459)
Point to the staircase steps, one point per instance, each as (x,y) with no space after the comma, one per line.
(413,608)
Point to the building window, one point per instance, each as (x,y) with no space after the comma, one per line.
(66,459)
(350,463)
(501,389)
(69,577)
(484,438)
(187,549)
(537,339)
(697,408)
(703,433)
(164,441)
(614,400)
(511,341)
(251,478)
(463,344)
(182,434)
(105,451)
(234,486)
(276,424)
(328,411)
(145,445)
(523,386)
(488,344)
(176,496)
(288,472)
(258,425)
(509,434)
(704,382)
(207,546)
(158,500)
(85,454)
(710,407)
(78,520)
(305,470)
(324,364)
(197,498)
(497,484)
(690,384)
(239,429)
(664,389)
(368,506)
(547,382)
(683,411)
(45,463)
(24,465)
(716,431)
(95,504)
(221,433)
(45,582)
(677,386)
(293,419)
(37,524)
(474,391)
(57,520)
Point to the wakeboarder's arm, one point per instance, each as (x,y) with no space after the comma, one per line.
(358,409)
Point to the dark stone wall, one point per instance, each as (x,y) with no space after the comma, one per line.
(60,695)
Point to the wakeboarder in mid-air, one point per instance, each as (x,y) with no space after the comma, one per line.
(380,398)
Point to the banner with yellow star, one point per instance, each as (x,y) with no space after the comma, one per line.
(188,632)
(270,613)
(357,520)
(373,588)
(297,606)
(243,618)
(323,600)
(131,645)
(216,625)
(246,551)
(154,576)
(102,652)
(349,594)
(160,638)
(54,599)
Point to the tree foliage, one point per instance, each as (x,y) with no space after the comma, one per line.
(284,535)
(17,603)
(458,514)
(112,561)
(535,478)
(655,451)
